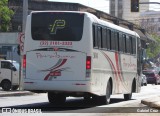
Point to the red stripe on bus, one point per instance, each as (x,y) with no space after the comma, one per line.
(118,66)
(62,63)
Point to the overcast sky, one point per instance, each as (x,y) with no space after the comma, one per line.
(155,7)
(103,5)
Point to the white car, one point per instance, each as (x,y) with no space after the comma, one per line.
(144,80)
(9,75)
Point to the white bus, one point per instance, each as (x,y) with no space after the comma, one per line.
(76,54)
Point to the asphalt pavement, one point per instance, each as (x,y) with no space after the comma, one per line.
(152,102)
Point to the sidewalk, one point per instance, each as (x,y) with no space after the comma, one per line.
(14,93)
(153,102)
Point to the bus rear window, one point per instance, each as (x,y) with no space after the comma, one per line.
(57,26)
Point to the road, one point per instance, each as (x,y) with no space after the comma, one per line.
(78,105)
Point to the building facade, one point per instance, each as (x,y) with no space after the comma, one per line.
(33,5)
(129,10)
(150,21)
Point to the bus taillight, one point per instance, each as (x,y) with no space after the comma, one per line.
(24,66)
(24,61)
(88,66)
(88,62)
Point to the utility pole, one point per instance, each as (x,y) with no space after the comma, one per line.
(25,13)
(116,8)
(149,2)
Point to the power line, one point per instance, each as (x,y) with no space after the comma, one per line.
(149,2)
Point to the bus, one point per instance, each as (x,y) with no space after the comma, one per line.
(73,53)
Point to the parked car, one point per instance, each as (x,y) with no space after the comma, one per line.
(153,76)
(143,80)
(9,75)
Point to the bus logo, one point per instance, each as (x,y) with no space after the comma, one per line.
(58,24)
(55,70)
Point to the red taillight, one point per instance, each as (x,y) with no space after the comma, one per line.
(24,61)
(88,62)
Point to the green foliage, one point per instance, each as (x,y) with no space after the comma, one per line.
(154,48)
(5,15)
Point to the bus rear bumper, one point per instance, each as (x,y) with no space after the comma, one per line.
(59,86)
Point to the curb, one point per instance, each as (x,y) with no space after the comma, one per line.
(153,102)
(16,93)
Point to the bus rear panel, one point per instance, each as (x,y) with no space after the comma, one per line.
(54,57)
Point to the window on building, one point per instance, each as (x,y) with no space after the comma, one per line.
(134,5)
(152,20)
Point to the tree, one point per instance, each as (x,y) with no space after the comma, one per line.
(154,48)
(5,15)
(151,27)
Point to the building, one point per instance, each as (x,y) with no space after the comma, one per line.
(130,10)
(150,21)
(8,46)
(34,5)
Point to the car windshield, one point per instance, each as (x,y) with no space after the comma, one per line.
(148,73)
(16,64)
(153,68)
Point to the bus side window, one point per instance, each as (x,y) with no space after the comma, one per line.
(99,37)
(120,43)
(131,45)
(128,46)
(112,40)
(134,45)
(104,38)
(116,41)
(124,44)
(108,39)
(95,36)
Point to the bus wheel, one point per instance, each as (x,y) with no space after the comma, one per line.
(6,85)
(15,87)
(87,98)
(56,98)
(129,96)
(108,93)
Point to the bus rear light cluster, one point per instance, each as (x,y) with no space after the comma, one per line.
(24,61)
(88,62)
(88,66)
(24,66)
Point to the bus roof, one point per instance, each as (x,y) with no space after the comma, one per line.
(99,21)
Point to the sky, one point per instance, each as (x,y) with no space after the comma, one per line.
(103,5)
(155,7)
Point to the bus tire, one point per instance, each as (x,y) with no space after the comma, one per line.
(15,87)
(99,100)
(108,93)
(87,98)
(6,85)
(56,98)
(129,96)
